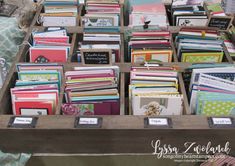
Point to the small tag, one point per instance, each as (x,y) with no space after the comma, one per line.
(88,122)
(146,64)
(22,122)
(159,122)
(25,121)
(54,28)
(203,33)
(221,122)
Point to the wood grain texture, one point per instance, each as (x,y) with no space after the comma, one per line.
(119,134)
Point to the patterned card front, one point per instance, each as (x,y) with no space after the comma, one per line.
(202,57)
(218,108)
(195,59)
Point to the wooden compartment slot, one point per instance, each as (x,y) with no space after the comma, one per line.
(226,58)
(118,134)
(40,10)
(24,55)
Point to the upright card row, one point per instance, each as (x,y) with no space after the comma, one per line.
(193,45)
(47,89)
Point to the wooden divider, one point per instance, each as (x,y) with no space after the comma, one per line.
(73,47)
(118,134)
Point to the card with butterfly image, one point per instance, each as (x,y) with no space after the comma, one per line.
(47,54)
(193,20)
(98,20)
(157,105)
(34,108)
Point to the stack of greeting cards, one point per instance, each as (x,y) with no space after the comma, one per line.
(188,13)
(36,91)
(100,43)
(150,46)
(154,91)
(213,91)
(105,13)
(230,46)
(229,6)
(147,13)
(92,91)
(197,45)
(49,46)
(215,9)
(60,13)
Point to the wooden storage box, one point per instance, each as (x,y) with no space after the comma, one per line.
(121,134)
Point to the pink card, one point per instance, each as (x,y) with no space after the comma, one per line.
(47,55)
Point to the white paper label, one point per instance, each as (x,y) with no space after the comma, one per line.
(88,121)
(222,121)
(158,121)
(19,120)
(81,1)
